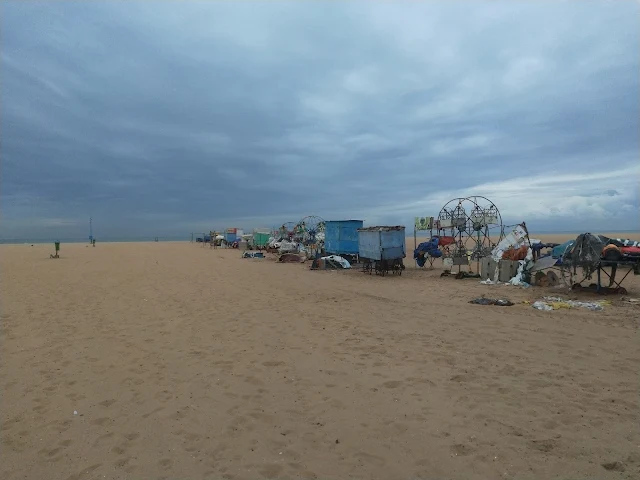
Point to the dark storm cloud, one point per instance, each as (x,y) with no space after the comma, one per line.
(166,117)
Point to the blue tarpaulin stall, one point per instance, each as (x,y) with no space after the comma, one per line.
(341,237)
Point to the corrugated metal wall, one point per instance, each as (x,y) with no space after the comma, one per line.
(341,236)
(382,245)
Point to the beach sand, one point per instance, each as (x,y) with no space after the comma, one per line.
(192,363)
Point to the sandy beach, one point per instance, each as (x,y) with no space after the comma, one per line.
(170,360)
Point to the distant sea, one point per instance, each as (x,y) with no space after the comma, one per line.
(20,241)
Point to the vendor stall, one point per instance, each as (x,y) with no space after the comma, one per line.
(588,255)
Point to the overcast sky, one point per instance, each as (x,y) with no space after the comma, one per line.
(161,118)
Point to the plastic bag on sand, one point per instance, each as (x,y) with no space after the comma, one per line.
(541,306)
(556,303)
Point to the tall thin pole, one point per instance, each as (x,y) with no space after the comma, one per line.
(90,229)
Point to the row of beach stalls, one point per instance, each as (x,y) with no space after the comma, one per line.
(468,233)
(331,244)
(237,238)
(318,238)
(514,258)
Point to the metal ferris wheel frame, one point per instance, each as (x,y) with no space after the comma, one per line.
(287,230)
(476,225)
(307,230)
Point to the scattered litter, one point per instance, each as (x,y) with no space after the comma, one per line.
(488,281)
(556,303)
(461,275)
(500,302)
(75,412)
(519,278)
(252,254)
(541,306)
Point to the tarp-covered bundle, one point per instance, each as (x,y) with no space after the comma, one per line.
(331,262)
(429,248)
(586,252)
(622,242)
(620,249)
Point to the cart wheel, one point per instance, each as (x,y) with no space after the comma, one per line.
(366,267)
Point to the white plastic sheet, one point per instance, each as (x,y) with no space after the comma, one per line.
(338,259)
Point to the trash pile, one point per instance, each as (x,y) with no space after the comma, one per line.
(516,246)
(500,302)
(514,240)
(556,303)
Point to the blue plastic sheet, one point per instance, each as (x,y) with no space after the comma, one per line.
(425,250)
(558,251)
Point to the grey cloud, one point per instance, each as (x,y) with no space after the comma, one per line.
(154,117)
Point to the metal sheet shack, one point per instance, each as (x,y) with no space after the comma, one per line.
(341,237)
(260,238)
(382,243)
(230,235)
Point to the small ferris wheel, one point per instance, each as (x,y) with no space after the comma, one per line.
(476,225)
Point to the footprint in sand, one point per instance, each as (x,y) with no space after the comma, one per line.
(460,449)
(392,384)
(272,363)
